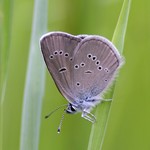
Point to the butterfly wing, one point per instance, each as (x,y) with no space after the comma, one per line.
(95,63)
(57,49)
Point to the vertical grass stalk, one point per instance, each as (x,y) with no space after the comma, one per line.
(6,7)
(35,81)
(102,112)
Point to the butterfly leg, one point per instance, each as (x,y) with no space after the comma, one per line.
(88,116)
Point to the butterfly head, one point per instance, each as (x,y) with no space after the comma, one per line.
(71,109)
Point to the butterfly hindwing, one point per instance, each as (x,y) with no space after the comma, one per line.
(95,63)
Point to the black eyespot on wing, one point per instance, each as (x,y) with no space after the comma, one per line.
(106,70)
(60,52)
(82,64)
(89,56)
(78,84)
(51,56)
(94,58)
(63,69)
(99,68)
(66,54)
(97,62)
(55,53)
(76,66)
(88,72)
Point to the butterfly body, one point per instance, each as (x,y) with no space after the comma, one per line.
(82,67)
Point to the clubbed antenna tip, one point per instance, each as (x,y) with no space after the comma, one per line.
(58,131)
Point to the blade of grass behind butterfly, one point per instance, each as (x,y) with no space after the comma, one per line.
(35,81)
(6,7)
(97,134)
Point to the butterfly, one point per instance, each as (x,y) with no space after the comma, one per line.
(82,67)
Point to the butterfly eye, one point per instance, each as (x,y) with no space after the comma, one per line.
(56,52)
(99,68)
(97,62)
(76,66)
(51,56)
(89,56)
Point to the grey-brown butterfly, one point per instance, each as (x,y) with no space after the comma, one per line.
(82,68)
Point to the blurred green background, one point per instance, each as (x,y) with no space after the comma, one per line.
(129,121)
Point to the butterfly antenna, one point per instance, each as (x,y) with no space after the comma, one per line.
(47,116)
(60,124)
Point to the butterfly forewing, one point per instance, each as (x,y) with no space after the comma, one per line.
(57,49)
(95,63)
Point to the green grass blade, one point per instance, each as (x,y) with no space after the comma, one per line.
(35,81)
(120,31)
(6,7)
(5,33)
(102,112)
